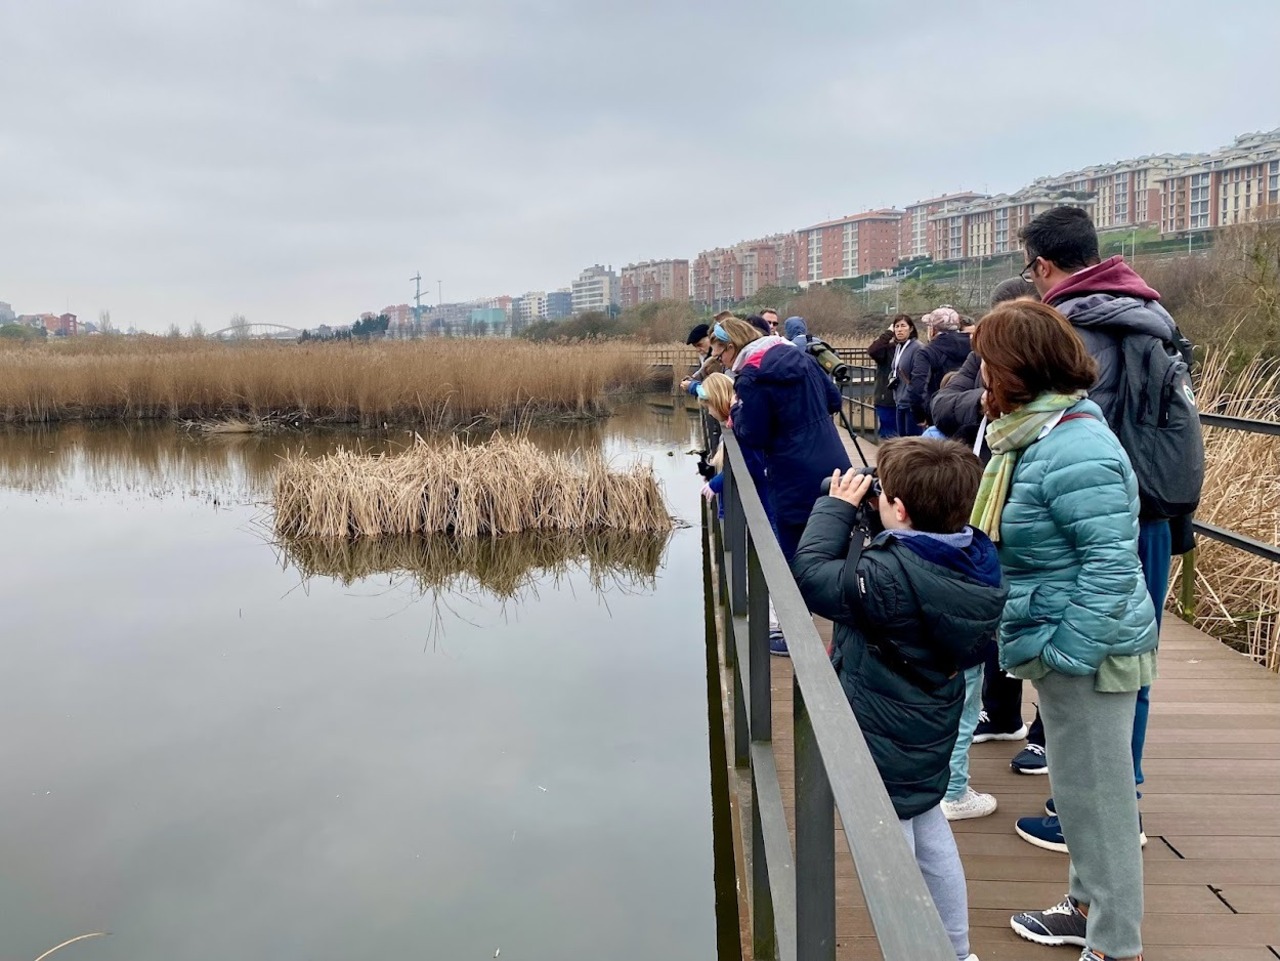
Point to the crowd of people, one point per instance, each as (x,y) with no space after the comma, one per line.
(1025,532)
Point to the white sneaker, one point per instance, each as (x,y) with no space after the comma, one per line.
(971,804)
(972,957)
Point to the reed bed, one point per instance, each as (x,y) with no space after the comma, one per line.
(504,567)
(1238,594)
(437,383)
(504,486)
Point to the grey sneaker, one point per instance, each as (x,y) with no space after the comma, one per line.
(1061,924)
(971,804)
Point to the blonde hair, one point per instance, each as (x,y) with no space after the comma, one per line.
(719,390)
(740,332)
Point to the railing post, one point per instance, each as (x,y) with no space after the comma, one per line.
(735,527)
(764,935)
(815,843)
(1187,589)
(758,645)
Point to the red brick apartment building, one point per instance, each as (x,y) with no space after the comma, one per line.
(919,232)
(851,246)
(730,274)
(653,280)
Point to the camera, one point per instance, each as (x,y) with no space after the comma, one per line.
(828,360)
(868,514)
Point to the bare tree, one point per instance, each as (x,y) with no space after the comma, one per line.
(174,331)
(239,326)
(196,330)
(104,322)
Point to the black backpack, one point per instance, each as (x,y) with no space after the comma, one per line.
(1158,424)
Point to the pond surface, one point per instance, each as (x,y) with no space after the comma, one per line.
(212,755)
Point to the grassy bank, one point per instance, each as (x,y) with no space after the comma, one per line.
(1238,594)
(504,486)
(435,383)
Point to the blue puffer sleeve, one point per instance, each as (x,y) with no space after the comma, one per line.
(753,414)
(1093,504)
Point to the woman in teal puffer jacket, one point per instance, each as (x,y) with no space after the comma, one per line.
(1060,500)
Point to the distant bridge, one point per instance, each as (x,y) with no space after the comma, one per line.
(257,332)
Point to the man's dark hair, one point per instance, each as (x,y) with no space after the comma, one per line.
(936,480)
(759,323)
(1064,236)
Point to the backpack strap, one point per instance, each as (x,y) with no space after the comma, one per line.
(1078,415)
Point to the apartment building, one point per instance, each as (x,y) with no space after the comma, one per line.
(730,274)
(989,227)
(653,280)
(851,246)
(1234,185)
(919,228)
(559,304)
(7,316)
(595,289)
(529,307)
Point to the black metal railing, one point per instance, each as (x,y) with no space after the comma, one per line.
(792,894)
(1270,552)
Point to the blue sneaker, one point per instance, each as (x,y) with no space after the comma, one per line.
(778,644)
(1030,760)
(1047,833)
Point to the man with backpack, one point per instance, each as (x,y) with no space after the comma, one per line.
(1144,390)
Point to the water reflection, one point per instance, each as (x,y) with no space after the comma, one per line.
(159,459)
(502,567)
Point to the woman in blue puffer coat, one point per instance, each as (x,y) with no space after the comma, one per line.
(1060,500)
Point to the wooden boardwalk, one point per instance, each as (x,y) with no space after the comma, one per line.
(1211,811)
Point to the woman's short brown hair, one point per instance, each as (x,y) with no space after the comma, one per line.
(1029,349)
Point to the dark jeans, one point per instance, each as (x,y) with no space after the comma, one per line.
(1001,694)
(907,426)
(1155,542)
(789,538)
(887,418)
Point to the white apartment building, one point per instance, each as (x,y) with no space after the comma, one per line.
(595,289)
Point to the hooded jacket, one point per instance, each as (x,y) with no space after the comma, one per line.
(797,332)
(957,408)
(1106,303)
(784,409)
(945,353)
(926,607)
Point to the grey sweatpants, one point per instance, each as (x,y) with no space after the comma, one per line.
(931,841)
(1087,743)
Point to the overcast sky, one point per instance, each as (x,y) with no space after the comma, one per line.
(298,160)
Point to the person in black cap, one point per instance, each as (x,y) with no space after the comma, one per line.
(700,339)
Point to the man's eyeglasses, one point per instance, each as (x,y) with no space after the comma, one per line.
(1028,272)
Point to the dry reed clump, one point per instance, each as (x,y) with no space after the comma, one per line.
(439,383)
(1238,594)
(503,486)
(504,567)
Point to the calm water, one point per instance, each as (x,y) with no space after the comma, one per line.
(211,755)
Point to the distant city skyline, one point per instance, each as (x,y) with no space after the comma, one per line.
(181,164)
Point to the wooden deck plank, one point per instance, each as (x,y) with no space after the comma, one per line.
(1213,776)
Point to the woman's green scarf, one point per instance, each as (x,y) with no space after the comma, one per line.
(1008,437)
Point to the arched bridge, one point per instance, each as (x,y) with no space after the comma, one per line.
(257,332)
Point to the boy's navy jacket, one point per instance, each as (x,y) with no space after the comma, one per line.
(784,409)
(924,610)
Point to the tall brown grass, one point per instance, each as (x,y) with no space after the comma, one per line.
(504,486)
(438,383)
(503,567)
(1238,594)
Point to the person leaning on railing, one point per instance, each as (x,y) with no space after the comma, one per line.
(1060,500)
(913,610)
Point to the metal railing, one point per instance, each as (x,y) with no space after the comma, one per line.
(1270,552)
(793,894)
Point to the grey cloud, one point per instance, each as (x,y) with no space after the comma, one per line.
(297,160)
